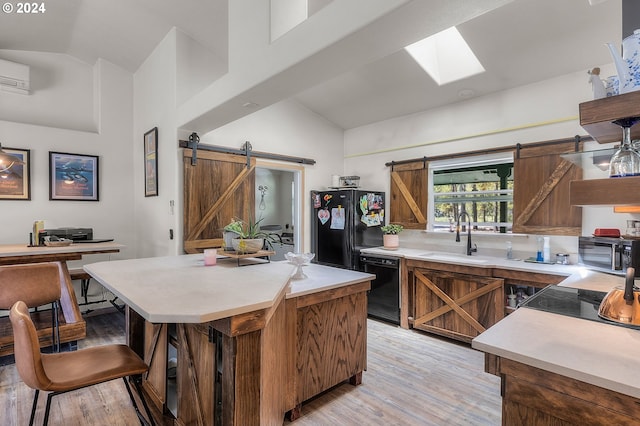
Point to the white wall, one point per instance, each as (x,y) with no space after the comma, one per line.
(110,217)
(62,92)
(542,111)
(154,106)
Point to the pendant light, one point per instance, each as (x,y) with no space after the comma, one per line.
(7,160)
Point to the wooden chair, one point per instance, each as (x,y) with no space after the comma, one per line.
(36,284)
(63,372)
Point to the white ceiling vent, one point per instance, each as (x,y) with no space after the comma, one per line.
(14,77)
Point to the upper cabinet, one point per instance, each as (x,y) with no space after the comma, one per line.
(597,117)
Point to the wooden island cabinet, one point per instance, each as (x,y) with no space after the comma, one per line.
(230,345)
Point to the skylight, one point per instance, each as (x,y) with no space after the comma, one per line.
(445,56)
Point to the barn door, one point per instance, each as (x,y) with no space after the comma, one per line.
(409,192)
(217,189)
(541,192)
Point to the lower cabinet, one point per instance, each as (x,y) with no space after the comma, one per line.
(461,301)
(456,305)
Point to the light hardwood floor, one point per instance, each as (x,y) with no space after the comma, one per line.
(412,378)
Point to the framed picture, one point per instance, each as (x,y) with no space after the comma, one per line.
(151,163)
(15,178)
(73,177)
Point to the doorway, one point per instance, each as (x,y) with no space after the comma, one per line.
(278,202)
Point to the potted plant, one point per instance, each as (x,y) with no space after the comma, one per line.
(390,238)
(248,236)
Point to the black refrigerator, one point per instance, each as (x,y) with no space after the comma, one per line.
(342,222)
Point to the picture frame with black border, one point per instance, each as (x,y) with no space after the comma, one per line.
(15,181)
(151,163)
(73,177)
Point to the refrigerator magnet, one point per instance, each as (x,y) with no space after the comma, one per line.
(316,201)
(323,216)
(337,218)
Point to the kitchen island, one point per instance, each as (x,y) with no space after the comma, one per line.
(239,345)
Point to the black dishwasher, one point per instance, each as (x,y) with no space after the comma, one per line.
(384,296)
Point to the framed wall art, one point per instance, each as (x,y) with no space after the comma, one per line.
(73,177)
(15,177)
(151,163)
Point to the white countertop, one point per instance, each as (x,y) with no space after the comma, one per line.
(597,353)
(180,289)
(474,260)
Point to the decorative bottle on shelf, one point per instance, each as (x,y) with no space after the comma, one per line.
(626,161)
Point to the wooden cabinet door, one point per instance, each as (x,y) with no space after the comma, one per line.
(456,305)
(217,189)
(541,200)
(155,356)
(195,374)
(408,197)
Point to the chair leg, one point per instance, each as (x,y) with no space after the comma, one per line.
(143,422)
(84,289)
(33,407)
(46,412)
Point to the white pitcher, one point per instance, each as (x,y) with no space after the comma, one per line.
(628,65)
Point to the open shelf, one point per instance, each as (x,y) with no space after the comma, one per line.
(621,191)
(597,116)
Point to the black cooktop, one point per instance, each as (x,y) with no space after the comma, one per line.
(571,302)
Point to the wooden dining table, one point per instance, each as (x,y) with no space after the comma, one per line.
(72,325)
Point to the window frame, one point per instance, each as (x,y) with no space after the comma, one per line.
(460,162)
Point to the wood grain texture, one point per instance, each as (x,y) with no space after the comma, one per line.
(546,180)
(155,356)
(274,367)
(217,189)
(408,198)
(459,306)
(596,116)
(551,399)
(331,343)
(195,375)
(618,191)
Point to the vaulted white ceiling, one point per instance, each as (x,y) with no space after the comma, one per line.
(520,43)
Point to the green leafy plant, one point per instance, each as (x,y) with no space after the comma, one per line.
(392,229)
(249,230)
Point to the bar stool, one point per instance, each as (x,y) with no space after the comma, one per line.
(36,284)
(69,371)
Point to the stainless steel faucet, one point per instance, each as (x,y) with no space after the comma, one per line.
(470,248)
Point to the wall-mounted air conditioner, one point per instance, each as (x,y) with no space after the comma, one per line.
(14,77)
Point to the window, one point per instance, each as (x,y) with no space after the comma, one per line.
(481,187)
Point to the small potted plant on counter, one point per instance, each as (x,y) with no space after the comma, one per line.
(391,240)
(248,236)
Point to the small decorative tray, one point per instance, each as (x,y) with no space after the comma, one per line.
(58,243)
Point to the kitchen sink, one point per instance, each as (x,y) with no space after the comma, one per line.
(450,257)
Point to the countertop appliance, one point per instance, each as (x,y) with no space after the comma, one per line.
(344,221)
(611,255)
(383,300)
(77,235)
(569,301)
